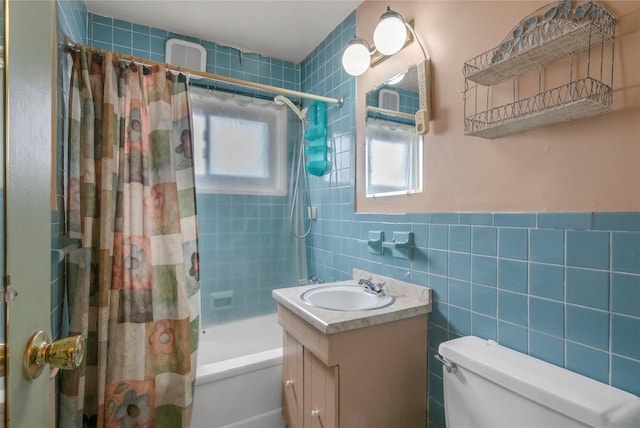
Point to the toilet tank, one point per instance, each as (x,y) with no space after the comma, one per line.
(493,386)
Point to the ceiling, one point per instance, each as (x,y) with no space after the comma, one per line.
(287,30)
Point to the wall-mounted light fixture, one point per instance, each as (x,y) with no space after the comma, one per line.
(391,35)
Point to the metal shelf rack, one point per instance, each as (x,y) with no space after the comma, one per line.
(558,36)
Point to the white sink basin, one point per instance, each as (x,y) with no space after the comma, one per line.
(344,298)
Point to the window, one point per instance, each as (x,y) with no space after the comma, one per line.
(393,159)
(239,144)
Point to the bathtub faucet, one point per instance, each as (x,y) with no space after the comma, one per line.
(372,287)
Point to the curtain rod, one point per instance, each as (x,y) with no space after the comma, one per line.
(71,46)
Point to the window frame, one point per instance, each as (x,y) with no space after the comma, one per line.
(405,138)
(214,103)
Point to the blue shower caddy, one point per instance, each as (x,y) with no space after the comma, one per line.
(316,136)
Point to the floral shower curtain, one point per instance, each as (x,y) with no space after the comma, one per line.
(134,289)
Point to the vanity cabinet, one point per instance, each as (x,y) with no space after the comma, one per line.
(369,376)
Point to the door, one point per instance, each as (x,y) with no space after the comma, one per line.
(30,39)
(292,380)
(320,393)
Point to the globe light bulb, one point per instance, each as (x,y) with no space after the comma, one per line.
(390,34)
(356,57)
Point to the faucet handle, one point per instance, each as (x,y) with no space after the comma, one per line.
(372,287)
(377,286)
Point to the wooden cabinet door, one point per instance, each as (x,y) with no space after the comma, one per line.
(320,393)
(292,381)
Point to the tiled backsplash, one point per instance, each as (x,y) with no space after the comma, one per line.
(564,288)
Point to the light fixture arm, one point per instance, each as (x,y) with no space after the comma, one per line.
(416,38)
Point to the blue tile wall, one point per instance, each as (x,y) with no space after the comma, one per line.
(625,294)
(588,249)
(513,243)
(483,240)
(149,43)
(546,316)
(626,252)
(241,252)
(513,336)
(459,294)
(580,314)
(484,270)
(617,221)
(513,308)
(71,18)
(625,374)
(623,329)
(587,326)
(547,246)
(546,281)
(587,361)
(71,23)
(588,287)
(512,275)
(545,347)
(460,238)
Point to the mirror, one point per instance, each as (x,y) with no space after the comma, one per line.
(393,148)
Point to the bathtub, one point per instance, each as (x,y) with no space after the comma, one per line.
(239,375)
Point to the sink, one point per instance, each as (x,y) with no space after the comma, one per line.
(344,298)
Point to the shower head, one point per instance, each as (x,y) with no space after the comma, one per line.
(282,100)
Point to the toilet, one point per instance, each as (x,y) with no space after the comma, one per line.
(488,385)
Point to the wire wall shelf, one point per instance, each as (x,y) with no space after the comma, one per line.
(542,44)
(576,100)
(536,41)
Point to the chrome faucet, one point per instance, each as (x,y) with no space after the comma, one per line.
(316,280)
(372,287)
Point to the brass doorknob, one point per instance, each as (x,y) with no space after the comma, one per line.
(65,353)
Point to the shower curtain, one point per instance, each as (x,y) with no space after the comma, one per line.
(134,283)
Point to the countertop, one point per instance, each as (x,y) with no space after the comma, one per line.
(410,300)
